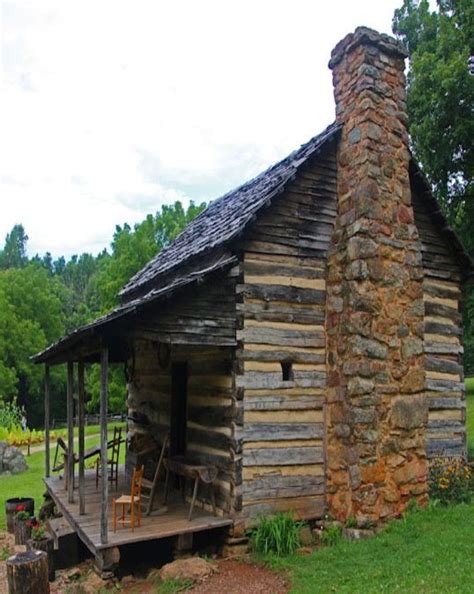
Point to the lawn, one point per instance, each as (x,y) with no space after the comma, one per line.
(30,483)
(470,415)
(429,551)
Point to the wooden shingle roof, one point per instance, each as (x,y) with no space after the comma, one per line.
(225,218)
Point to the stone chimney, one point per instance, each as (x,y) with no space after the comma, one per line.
(376,410)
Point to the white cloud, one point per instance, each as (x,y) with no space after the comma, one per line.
(113,108)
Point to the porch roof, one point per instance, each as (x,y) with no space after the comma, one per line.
(86,341)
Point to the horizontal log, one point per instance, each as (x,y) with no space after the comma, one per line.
(268,247)
(445,426)
(258,267)
(303,508)
(444,385)
(442,348)
(445,447)
(442,365)
(255,380)
(214,415)
(185,339)
(280,293)
(283,456)
(438,309)
(209,438)
(439,291)
(281,337)
(283,355)
(442,329)
(269,402)
(442,403)
(222,460)
(277,486)
(275,431)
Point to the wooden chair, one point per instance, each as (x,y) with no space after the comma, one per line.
(113,461)
(133,501)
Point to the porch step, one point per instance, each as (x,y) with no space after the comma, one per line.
(67,546)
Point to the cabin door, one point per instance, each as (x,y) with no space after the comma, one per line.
(179,397)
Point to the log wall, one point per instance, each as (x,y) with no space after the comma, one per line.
(446,432)
(200,327)
(280,316)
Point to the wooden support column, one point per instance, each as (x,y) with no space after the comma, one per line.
(80,393)
(47,457)
(70,432)
(104,369)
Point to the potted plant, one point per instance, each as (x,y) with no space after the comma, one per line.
(22,527)
(41,540)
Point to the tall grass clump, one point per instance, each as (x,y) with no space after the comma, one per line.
(276,535)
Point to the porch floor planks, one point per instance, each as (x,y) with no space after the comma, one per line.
(171,523)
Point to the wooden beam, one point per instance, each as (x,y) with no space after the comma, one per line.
(82,500)
(104,369)
(47,458)
(70,432)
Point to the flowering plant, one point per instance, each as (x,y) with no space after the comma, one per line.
(37,529)
(21,513)
(451,480)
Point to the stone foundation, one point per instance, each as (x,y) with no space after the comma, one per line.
(376,411)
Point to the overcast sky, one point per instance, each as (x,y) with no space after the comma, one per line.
(112,108)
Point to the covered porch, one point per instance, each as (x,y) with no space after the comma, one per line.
(161,523)
(179,374)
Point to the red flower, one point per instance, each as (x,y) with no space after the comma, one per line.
(20,508)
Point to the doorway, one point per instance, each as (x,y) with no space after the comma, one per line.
(179,397)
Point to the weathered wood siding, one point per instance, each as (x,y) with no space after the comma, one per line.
(446,434)
(199,326)
(280,304)
(212,409)
(199,315)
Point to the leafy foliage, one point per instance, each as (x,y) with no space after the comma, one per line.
(277,535)
(441,114)
(332,534)
(451,481)
(41,299)
(10,415)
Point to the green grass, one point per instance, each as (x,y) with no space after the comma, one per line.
(30,483)
(470,416)
(430,551)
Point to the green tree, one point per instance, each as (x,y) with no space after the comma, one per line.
(133,248)
(31,317)
(440,103)
(13,254)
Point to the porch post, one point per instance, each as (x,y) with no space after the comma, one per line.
(70,432)
(82,500)
(46,422)
(104,368)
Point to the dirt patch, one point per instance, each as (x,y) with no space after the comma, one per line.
(232,577)
(236,577)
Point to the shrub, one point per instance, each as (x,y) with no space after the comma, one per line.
(278,535)
(351,522)
(11,415)
(331,535)
(450,480)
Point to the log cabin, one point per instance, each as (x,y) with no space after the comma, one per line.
(302,336)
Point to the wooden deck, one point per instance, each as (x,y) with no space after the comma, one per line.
(160,524)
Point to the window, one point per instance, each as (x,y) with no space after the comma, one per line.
(287,371)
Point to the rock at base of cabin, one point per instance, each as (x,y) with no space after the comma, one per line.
(306,536)
(194,569)
(358,533)
(234,550)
